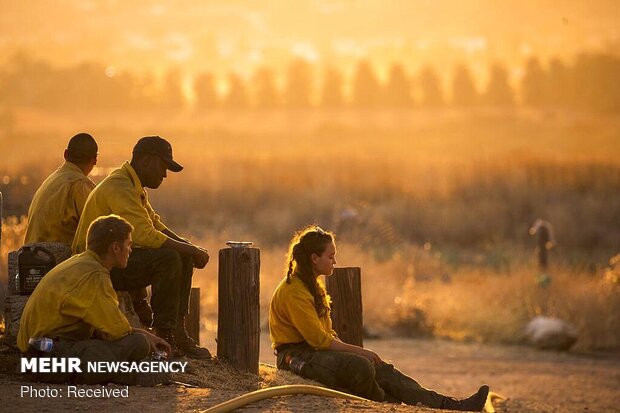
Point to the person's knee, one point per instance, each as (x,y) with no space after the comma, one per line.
(170,257)
(361,369)
(137,345)
(362,378)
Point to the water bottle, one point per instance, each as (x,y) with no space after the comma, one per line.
(43,344)
(295,364)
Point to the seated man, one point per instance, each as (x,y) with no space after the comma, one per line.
(75,302)
(55,210)
(160,258)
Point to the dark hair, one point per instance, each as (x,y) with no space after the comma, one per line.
(106,230)
(308,241)
(82,148)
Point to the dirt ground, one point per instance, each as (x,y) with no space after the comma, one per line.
(534,382)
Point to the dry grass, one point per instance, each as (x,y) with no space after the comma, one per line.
(434,206)
(216,374)
(491,308)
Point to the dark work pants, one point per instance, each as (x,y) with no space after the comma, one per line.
(133,347)
(358,375)
(167,272)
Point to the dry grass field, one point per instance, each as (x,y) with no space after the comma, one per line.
(435,206)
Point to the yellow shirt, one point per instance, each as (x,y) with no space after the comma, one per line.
(121,193)
(57,205)
(293,318)
(72,301)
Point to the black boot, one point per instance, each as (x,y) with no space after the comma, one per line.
(141,306)
(144,311)
(186,344)
(168,335)
(474,403)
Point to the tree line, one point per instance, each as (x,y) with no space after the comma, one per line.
(590,82)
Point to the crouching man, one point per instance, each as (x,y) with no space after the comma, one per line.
(76,305)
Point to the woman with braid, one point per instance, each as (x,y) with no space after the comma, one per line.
(301,333)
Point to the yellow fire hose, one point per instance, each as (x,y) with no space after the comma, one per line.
(307,389)
(492,397)
(278,391)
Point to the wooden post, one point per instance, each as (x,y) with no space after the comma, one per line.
(1,202)
(345,288)
(544,242)
(238,328)
(192,323)
(543,247)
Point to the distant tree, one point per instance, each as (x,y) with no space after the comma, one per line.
(534,85)
(125,90)
(561,88)
(28,82)
(464,93)
(172,92)
(266,93)
(332,94)
(299,84)
(366,87)
(88,87)
(430,84)
(498,91)
(597,81)
(236,97)
(398,88)
(146,92)
(205,91)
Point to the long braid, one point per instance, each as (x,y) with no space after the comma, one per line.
(289,272)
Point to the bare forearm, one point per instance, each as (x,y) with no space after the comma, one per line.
(338,345)
(174,236)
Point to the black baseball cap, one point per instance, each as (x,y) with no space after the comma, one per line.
(157,145)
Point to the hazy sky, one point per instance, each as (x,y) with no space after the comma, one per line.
(222,35)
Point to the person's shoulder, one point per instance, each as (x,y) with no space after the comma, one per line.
(83,181)
(294,289)
(117,179)
(87,261)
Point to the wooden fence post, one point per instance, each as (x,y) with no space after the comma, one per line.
(543,239)
(238,327)
(345,288)
(192,324)
(544,242)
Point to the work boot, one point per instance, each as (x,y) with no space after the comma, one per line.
(144,311)
(474,403)
(141,306)
(168,335)
(187,344)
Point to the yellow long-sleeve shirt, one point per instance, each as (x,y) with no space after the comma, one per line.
(293,317)
(121,193)
(72,301)
(57,205)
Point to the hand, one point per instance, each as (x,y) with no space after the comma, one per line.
(158,343)
(201,257)
(370,355)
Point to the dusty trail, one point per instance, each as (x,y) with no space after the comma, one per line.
(535,382)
